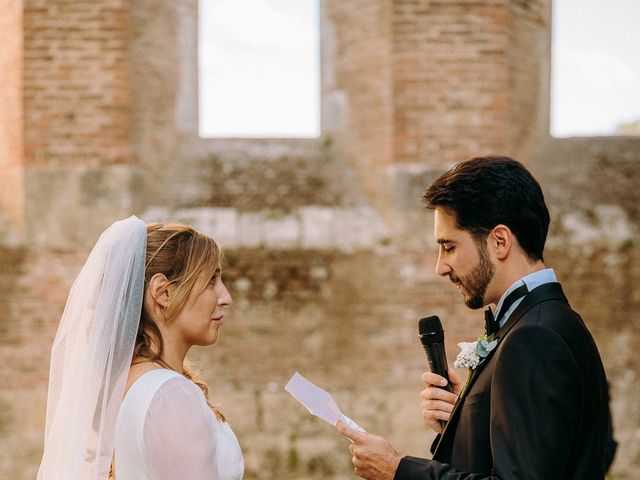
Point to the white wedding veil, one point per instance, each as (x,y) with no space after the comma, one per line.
(91,356)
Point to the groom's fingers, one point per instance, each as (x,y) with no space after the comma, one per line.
(430,378)
(347,431)
(433,393)
(436,406)
(433,379)
(437,403)
(433,412)
(433,416)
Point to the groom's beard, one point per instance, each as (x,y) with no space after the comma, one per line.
(474,284)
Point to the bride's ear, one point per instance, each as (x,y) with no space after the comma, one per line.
(159,291)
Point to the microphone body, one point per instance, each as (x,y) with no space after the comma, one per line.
(432,339)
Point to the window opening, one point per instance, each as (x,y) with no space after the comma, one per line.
(259,68)
(595,68)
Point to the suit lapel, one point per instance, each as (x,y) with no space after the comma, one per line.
(547,291)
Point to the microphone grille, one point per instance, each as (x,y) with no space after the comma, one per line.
(429,325)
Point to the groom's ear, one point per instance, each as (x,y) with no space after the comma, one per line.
(159,290)
(501,241)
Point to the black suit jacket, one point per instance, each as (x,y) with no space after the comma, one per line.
(535,408)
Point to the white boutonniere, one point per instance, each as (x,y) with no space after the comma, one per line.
(472,353)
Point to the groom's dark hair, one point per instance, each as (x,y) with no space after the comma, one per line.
(487,191)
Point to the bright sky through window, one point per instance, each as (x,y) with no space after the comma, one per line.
(595,85)
(259,68)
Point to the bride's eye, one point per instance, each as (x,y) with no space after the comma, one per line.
(215,277)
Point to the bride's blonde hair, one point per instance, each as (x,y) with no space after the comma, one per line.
(189,259)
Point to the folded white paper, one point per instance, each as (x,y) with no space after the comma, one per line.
(319,402)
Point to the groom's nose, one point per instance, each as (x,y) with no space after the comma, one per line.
(442,268)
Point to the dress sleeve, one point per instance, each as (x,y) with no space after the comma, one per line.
(179,438)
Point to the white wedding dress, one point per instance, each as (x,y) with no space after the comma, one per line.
(166,431)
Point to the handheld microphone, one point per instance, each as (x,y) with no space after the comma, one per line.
(432,339)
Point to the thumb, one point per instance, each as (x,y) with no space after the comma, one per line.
(349,432)
(453,378)
(456,382)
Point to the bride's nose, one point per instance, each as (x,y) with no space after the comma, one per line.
(225,300)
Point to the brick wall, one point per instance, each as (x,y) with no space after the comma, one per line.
(11,142)
(76,90)
(450,79)
(403,83)
(11,59)
(430,83)
(79,171)
(358,71)
(466,75)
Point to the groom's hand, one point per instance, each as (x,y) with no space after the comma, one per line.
(372,456)
(436,403)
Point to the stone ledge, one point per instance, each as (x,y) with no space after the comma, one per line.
(309,227)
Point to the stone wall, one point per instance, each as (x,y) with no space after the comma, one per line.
(263,174)
(586,174)
(591,186)
(346,321)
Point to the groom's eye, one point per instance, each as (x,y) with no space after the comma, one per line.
(448,248)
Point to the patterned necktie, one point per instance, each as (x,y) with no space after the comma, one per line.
(492,324)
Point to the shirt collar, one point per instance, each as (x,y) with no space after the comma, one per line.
(532,281)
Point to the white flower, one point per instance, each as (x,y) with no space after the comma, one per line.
(472,353)
(468,357)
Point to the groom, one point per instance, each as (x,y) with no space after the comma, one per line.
(536,406)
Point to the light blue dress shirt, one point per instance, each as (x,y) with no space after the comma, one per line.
(532,281)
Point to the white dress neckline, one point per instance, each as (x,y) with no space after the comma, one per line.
(166,430)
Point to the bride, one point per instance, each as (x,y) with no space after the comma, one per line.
(122,403)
